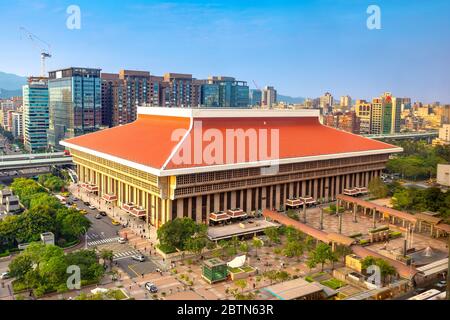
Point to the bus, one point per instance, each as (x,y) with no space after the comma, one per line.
(60,198)
(426,295)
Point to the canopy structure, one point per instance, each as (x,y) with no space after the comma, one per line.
(237,262)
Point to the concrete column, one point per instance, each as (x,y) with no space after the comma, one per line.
(304,192)
(216,201)
(326,188)
(338,189)
(333,192)
(249,200)
(321,218)
(277,199)
(340,223)
(374,222)
(198,210)
(180,208)
(315,191)
(354,212)
(304,213)
(233,200)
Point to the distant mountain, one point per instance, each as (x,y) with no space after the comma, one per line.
(288,99)
(5,94)
(9,81)
(11,85)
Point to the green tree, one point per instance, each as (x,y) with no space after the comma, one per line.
(20,266)
(377,188)
(241,283)
(320,255)
(107,255)
(273,234)
(244,247)
(175,233)
(293,249)
(257,243)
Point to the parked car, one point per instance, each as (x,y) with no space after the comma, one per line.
(122,240)
(441,284)
(92,207)
(103,213)
(115,222)
(151,287)
(139,257)
(98,216)
(83,212)
(4,276)
(86,203)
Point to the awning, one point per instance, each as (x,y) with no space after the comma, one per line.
(308,200)
(219,216)
(236,213)
(351,192)
(109,197)
(294,202)
(138,212)
(89,187)
(128,206)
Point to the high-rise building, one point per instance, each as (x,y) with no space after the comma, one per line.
(122,93)
(269,97)
(17,124)
(255,97)
(224,92)
(181,90)
(363,112)
(386,114)
(346,101)
(35,114)
(326,102)
(74,103)
(346,121)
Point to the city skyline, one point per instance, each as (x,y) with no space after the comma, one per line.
(184,39)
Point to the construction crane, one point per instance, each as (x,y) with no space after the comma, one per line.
(45,52)
(256,85)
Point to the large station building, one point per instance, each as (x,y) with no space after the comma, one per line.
(174,162)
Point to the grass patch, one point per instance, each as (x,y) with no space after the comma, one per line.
(333,283)
(247,268)
(116,295)
(235,270)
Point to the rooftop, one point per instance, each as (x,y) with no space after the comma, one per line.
(184,136)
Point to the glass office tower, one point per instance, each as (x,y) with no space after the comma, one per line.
(74,103)
(35,114)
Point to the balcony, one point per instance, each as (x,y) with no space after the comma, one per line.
(89,187)
(236,213)
(128,206)
(351,192)
(109,197)
(308,200)
(294,202)
(138,212)
(219,216)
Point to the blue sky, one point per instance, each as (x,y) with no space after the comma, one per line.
(303,48)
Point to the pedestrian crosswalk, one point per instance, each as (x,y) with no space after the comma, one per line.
(102,241)
(125,254)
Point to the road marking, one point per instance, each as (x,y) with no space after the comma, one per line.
(125,254)
(102,241)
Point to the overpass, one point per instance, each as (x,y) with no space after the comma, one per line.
(36,160)
(405,135)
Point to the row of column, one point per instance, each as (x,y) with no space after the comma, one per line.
(198,207)
(157,209)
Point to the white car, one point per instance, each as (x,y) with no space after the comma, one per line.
(4,276)
(92,207)
(122,240)
(139,257)
(441,284)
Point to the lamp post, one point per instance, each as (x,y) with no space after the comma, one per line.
(85,239)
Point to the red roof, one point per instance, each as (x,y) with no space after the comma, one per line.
(148,141)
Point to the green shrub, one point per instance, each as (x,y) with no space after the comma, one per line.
(363,241)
